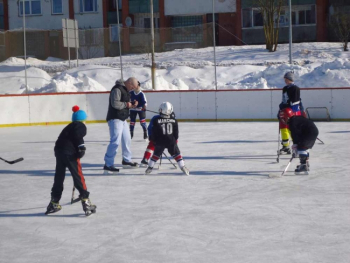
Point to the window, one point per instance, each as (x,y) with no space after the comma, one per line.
(252,18)
(88,6)
(32,7)
(301,15)
(258,19)
(57,7)
(147,22)
(247,17)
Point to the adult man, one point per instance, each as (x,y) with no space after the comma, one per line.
(290,99)
(118,112)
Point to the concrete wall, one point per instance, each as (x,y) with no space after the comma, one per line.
(185,7)
(242,105)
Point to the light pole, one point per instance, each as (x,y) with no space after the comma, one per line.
(214,42)
(120,43)
(25,46)
(290,32)
(153,67)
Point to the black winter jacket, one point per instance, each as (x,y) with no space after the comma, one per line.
(70,138)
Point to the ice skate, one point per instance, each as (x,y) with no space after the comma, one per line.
(302,169)
(144,163)
(285,150)
(53,207)
(131,134)
(185,170)
(145,136)
(110,169)
(88,207)
(148,170)
(130,165)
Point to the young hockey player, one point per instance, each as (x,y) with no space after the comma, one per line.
(290,99)
(150,147)
(69,149)
(304,133)
(140,97)
(164,133)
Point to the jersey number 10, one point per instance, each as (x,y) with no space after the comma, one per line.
(167,128)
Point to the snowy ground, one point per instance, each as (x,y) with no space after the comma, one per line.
(239,67)
(227,210)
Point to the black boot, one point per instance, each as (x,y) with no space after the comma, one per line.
(131,134)
(285,150)
(128,165)
(53,207)
(145,136)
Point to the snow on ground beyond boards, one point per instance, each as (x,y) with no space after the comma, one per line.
(240,67)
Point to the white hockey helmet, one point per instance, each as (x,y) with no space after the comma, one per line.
(166,108)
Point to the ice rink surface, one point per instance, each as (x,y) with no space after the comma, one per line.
(227,210)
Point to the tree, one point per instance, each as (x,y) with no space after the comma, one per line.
(340,23)
(270,11)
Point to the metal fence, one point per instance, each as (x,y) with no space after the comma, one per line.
(103,42)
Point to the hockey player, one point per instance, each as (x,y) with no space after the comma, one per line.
(304,133)
(290,99)
(69,149)
(164,134)
(150,147)
(140,97)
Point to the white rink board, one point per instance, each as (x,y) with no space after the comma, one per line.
(188,105)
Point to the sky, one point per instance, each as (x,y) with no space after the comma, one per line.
(227,210)
(238,67)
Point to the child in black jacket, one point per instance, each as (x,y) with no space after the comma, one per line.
(163,131)
(69,149)
(304,133)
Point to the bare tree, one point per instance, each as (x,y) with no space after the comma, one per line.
(340,23)
(270,11)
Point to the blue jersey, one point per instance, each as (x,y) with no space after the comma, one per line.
(140,97)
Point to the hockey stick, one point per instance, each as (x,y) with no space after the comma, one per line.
(169,160)
(290,161)
(320,140)
(74,200)
(14,161)
(278,146)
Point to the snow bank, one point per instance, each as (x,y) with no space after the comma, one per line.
(239,67)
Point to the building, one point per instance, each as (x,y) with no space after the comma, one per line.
(178,24)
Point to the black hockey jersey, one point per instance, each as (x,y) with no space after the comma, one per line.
(70,138)
(164,131)
(290,98)
(304,131)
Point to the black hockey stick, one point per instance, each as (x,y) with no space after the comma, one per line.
(169,160)
(157,112)
(320,140)
(14,161)
(74,200)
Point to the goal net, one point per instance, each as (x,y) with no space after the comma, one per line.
(318,113)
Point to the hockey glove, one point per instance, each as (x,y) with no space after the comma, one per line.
(295,150)
(81,151)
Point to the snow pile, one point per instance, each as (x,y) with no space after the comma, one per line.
(330,74)
(13,79)
(238,67)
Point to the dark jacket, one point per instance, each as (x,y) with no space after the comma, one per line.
(164,131)
(290,97)
(70,138)
(123,112)
(304,131)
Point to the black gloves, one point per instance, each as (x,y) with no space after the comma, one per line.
(81,151)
